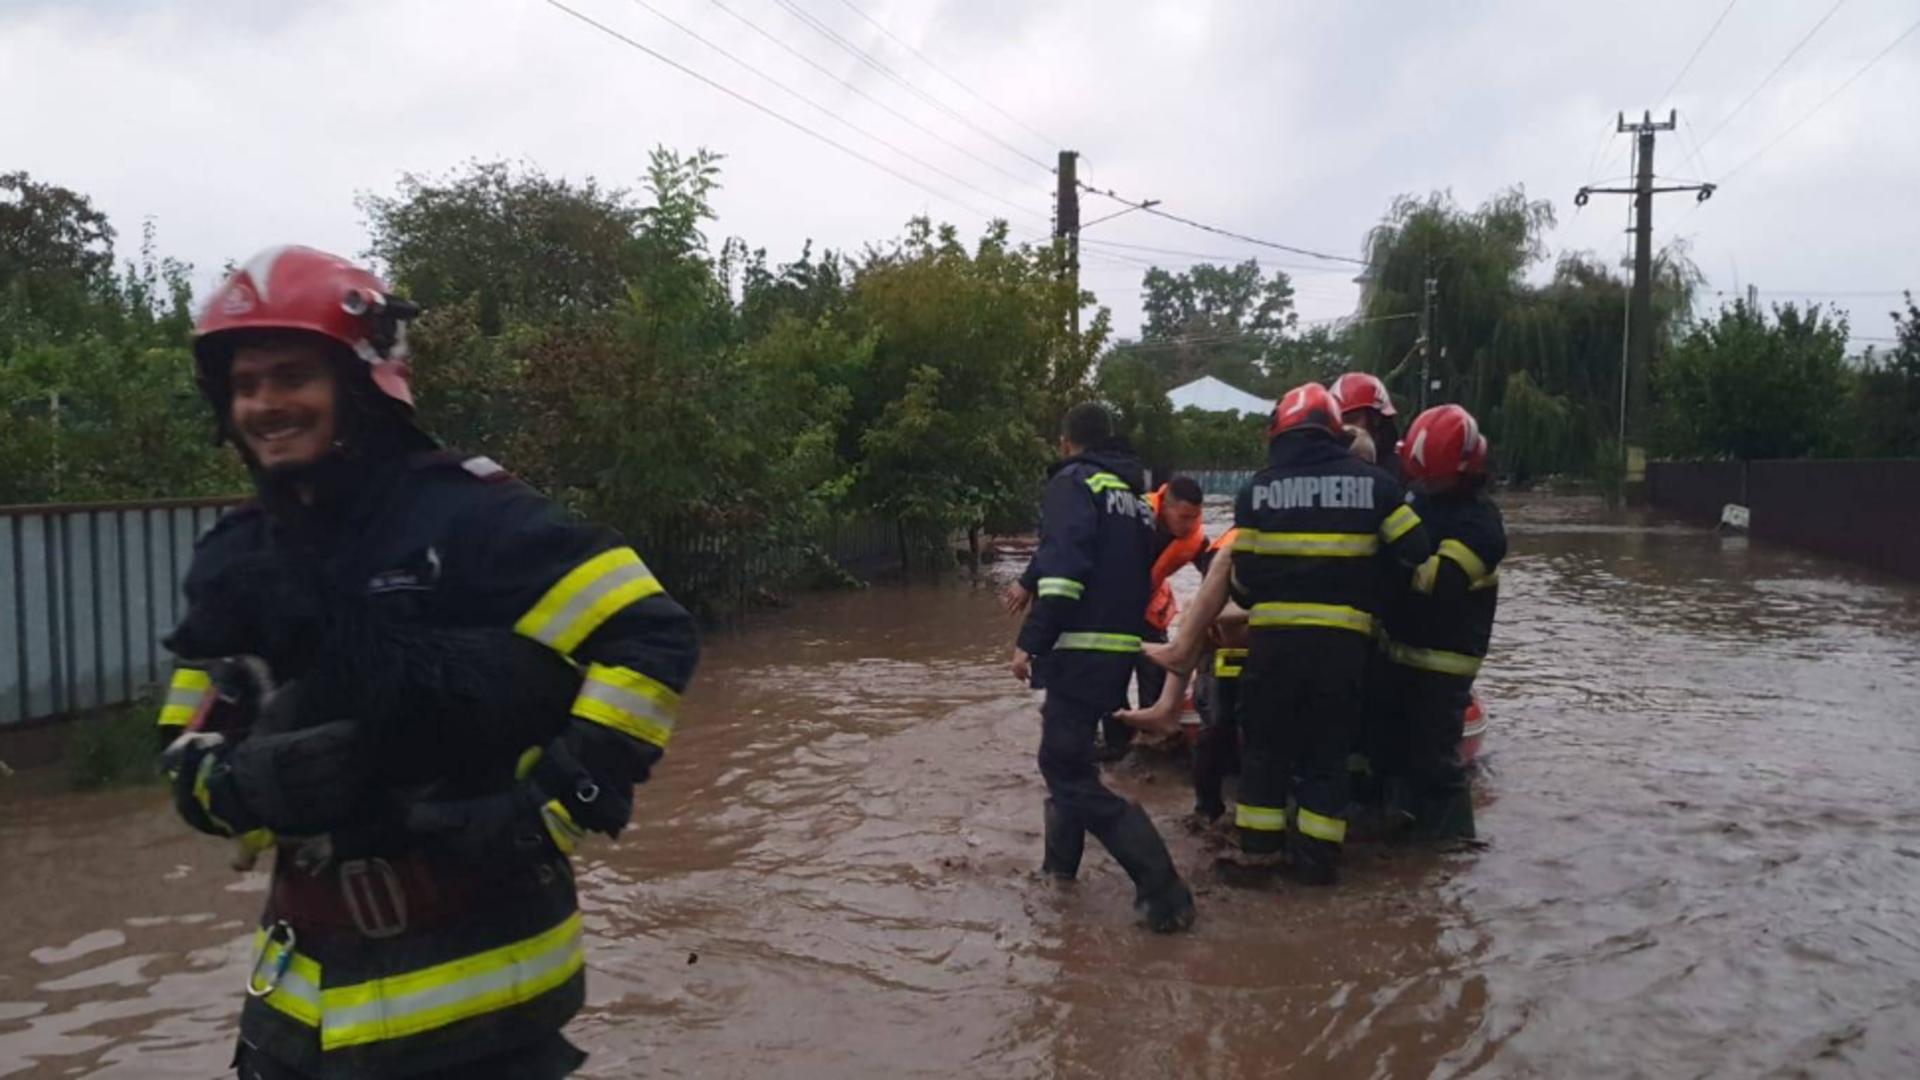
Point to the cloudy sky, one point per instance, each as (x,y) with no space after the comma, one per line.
(235,125)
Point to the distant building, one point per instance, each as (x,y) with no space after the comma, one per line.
(1209,394)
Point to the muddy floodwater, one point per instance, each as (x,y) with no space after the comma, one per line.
(1702,803)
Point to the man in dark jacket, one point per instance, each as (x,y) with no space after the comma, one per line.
(1308,530)
(439,939)
(1082,638)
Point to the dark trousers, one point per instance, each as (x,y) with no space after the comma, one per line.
(1430,711)
(1301,694)
(1149,680)
(1216,749)
(1080,690)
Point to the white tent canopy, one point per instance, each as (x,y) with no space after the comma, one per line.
(1209,394)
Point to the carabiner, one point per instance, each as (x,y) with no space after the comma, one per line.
(280,962)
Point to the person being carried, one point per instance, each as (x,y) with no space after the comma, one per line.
(1079,643)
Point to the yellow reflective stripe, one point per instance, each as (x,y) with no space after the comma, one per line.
(561,826)
(1227,662)
(204,797)
(401,1005)
(297,994)
(1335,616)
(1399,523)
(1092,642)
(1321,827)
(589,595)
(1425,576)
(1491,581)
(1306,544)
(256,841)
(1060,586)
(1260,818)
(184,694)
(1106,481)
(628,702)
(1460,553)
(1439,660)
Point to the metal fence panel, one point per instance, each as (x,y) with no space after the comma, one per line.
(1850,509)
(86,592)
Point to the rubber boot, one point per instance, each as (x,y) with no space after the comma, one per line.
(1313,861)
(1066,841)
(1158,891)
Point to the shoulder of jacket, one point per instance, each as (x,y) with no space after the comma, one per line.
(475,467)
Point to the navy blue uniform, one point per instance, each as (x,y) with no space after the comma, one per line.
(1437,637)
(444,541)
(1306,565)
(1091,576)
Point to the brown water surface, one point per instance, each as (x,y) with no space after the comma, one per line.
(1702,802)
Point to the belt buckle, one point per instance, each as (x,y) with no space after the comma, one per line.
(374,897)
(282,933)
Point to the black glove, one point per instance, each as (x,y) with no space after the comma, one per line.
(556,803)
(203,793)
(298,783)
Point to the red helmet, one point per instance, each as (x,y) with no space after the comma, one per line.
(1306,405)
(1360,390)
(1443,444)
(298,288)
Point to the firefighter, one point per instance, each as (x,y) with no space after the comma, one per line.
(1309,528)
(1081,638)
(1438,629)
(442,938)
(1365,404)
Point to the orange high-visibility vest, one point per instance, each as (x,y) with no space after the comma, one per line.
(1179,552)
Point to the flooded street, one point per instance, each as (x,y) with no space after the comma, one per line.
(1702,803)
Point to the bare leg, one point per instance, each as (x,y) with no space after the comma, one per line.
(1163,716)
(1180,654)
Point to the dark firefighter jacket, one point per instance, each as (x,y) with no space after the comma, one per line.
(1444,621)
(1310,530)
(463,959)
(1091,572)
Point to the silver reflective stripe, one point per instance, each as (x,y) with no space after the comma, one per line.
(563,621)
(398,1007)
(625,700)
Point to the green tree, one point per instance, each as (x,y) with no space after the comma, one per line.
(1746,386)
(1224,321)
(1886,395)
(514,241)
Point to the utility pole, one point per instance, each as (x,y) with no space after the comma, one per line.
(1066,226)
(1640,304)
(1426,337)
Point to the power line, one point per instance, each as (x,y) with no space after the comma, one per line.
(1155,210)
(1777,68)
(1667,94)
(1219,256)
(871,61)
(925,59)
(755,105)
(1824,102)
(829,113)
(861,91)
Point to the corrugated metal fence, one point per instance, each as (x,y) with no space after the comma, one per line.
(1861,511)
(1219,481)
(86,592)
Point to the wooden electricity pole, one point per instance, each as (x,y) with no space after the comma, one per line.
(1640,306)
